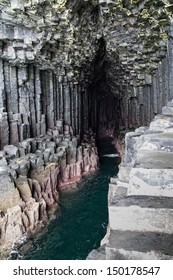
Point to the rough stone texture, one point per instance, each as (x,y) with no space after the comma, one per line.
(98,254)
(141,197)
(30,184)
(152,182)
(69,67)
(9,195)
(76,60)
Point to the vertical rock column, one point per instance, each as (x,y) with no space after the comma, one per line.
(38,92)
(4,130)
(67,101)
(14,109)
(32,108)
(2,91)
(76,108)
(170,63)
(85,116)
(4,127)
(61,99)
(72,107)
(24,107)
(50,100)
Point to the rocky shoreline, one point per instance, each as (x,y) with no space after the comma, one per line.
(32,176)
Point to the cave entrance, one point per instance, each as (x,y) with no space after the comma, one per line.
(104,112)
(108,113)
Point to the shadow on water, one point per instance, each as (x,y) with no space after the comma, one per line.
(82,220)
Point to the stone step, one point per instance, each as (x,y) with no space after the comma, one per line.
(97,254)
(141,213)
(170,103)
(118,183)
(151,182)
(139,245)
(154,159)
(167,111)
(124,173)
(158,141)
(160,123)
(113,180)
(117,190)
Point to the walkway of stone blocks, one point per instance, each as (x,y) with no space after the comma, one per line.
(140,199)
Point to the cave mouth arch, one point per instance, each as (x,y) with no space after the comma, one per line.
(104,105)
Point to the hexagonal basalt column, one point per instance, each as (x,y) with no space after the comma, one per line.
(17,5)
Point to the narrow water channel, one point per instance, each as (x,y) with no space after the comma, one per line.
(82,219)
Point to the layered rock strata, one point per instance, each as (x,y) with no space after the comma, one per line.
(32,176)
(141,197)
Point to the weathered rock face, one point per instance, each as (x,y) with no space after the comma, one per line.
(32,176)
(45,58)
(79,62)
(140,198)
(65,67)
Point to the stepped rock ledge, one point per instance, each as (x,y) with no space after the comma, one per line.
(141,196)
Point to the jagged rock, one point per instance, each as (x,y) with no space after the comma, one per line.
(58,63)
(9,195)
(3,161)
(14,227)
(11,151)
(24,189)
(124,174)
(43,210)
(36,190)
(160,123)
(168,111)
(48,72)
(32,212)
(33,181)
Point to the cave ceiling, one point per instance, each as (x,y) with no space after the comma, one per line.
(64,36)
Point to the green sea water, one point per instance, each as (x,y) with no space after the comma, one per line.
(81,221)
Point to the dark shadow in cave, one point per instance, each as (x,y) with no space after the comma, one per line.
(104,105)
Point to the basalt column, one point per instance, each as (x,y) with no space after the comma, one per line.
(66,68)
(34,100)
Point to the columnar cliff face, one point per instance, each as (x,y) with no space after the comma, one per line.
(32,176)
(67,67)
(70,60)
(43,45)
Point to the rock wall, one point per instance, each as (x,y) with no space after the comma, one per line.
(34,100)
(140,198)
(134,69)
(42,76)
(67,67)
(77,61)
(32,176)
